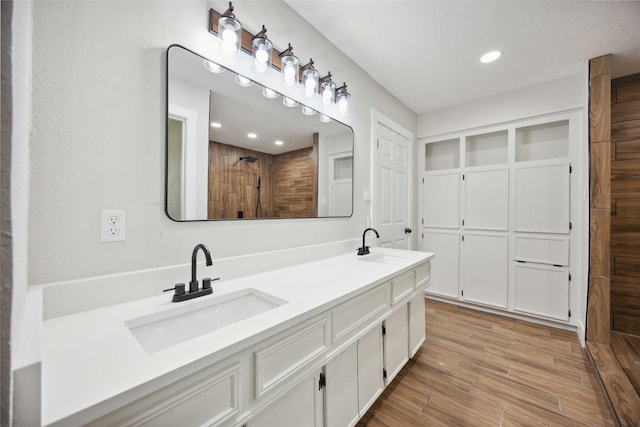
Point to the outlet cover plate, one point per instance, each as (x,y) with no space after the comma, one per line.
(113,225)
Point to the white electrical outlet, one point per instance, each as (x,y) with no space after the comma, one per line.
(113,225)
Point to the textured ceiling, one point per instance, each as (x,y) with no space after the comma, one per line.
(426,53)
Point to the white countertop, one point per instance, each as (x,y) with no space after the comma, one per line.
(92,363)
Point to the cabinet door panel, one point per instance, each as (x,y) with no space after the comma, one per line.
(542,198)
(300,406)
(441,200)
(487,200)
(341,390)
(445,266)
(485,269)
(370,381)
(396,342)
(542,290)
(416,324)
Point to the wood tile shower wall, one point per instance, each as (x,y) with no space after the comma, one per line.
(233,183)
(288,181)
(625,204)
(296,184)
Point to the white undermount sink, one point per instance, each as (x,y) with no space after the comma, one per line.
(161,330)
(382,258)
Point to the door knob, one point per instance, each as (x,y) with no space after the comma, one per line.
(407,231)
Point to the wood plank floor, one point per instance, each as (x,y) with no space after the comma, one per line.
(479,369)
(626,347)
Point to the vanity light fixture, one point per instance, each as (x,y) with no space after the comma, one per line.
(490,56)
(229,32)
(290,67)
(243,81)
(310,79)
(327,90)
(308,111)
(234,38)
(342,99)
(269,93)
(261,50)
(213,67)
(288,102)
(325,119)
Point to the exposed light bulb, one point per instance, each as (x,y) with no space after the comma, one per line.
(289,74)
(343,105)
(326,96)
(261,54)
(229,40)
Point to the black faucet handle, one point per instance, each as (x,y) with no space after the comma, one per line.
(206,283)
(178,288)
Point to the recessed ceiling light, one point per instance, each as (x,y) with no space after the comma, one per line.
(278,142)
(216,125)
(490,56)
(252,135)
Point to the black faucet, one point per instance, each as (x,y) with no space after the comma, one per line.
(364,250)
(193,284)
(194,288)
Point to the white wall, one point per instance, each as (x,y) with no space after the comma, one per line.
(98,135)
(554,96)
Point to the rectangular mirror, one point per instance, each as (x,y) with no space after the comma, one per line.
(236,151)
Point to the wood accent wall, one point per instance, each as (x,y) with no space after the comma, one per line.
(625,204)
(233,183)
(289,183)
(295,194)
(598,316)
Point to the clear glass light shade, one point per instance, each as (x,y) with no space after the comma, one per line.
(230,35)
(343,102)
(310,79)
(243,81)
(290,67)
(325,119)
(328,92)
(288,102)
(308,110)
(212,67)
(269,93)
(261,52)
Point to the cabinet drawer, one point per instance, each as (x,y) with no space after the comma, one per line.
(357,313)
(423,274)
(288,354)
(207,397)
(402,286)
(542,250)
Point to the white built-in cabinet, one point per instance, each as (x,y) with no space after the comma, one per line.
(495,209)
(325,371)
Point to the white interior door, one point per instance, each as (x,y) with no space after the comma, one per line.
(393,192)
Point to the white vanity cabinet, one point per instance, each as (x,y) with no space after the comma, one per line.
(312,364)
(372,338)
